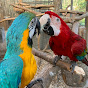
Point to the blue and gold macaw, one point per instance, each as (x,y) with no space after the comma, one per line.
(19,66)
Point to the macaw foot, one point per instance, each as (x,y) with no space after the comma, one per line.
(34,82)
(56,59)
(73,64)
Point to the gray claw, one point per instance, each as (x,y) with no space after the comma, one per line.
(56,59)
(34,82)
(73,64)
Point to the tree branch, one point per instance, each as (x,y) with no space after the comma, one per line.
(47,74)
(39,6)
(7,19)
(71,20)
(71,11)
(62,64)
(20,7)
(23,4)
(82,16)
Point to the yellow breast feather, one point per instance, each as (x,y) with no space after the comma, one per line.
(29,67)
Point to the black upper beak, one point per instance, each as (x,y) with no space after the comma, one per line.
(33,25)
(48,29)
(38,26)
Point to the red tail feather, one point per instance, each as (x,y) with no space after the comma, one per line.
(85,61)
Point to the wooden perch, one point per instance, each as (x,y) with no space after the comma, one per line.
(23,4)
(60,63)
(81,17)
(18,10)
(7,19)
(51,8)
(67,20)
(26,9)
(71,20)
(71,11)
(40,6)
(47,74)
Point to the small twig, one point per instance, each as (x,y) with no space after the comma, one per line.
(7,19)
(26,9)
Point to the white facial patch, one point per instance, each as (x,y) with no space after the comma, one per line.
(55,24)
(56,31)
(43,20)
(31,27)
(31,33)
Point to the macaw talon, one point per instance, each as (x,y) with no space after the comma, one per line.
(34,82)
(56,59)
(73,64)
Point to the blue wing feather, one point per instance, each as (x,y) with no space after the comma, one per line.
(10,72)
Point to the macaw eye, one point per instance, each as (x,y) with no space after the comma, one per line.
(57,19)
(30,26)
(32,22)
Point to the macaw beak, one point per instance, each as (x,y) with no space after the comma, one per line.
(38,27)
(33,26)
(48,29)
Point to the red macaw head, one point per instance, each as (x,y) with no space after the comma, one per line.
(52,24)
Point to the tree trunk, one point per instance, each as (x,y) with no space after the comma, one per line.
(71,6)
(75,28)
(86,24)
(57,6)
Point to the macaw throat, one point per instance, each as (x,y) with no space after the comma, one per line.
(30,42)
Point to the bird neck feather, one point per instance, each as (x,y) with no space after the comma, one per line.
(27,50)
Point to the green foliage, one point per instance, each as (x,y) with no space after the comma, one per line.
(65,3)
(78,5)
(82,22)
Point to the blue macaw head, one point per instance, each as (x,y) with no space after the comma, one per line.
(33,25)
(15,32)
